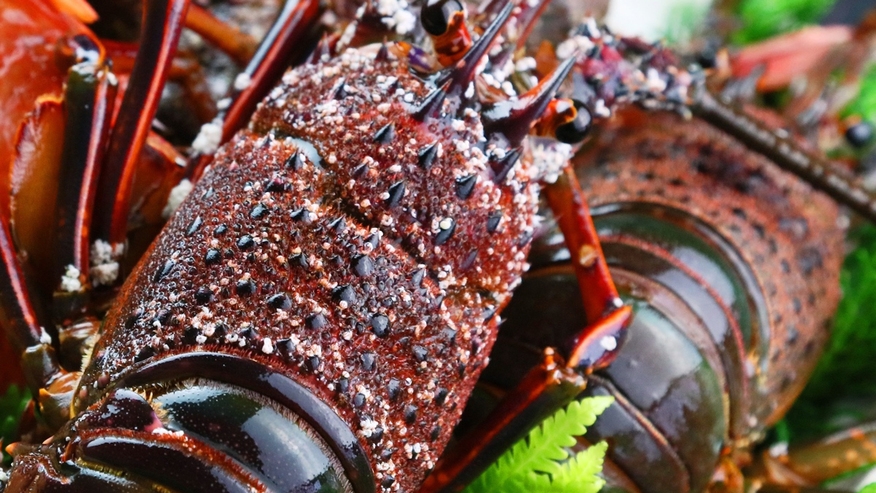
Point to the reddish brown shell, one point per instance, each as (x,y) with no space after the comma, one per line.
(337,240)
(790,236)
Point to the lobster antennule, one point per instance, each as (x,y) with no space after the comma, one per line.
(512,118)
(280,45)
(129,134)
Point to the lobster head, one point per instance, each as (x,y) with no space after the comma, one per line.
(316,313)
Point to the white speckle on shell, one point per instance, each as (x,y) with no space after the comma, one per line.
(70,280)
(608,343)
(208,138)
(267,346)
(242,81)
(572,46)
(549,157)
(176,197)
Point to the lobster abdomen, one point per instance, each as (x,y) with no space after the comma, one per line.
(733,267)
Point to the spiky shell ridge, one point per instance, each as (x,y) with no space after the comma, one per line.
(363,251)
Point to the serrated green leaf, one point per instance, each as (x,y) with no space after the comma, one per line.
(586,465)
(542,461)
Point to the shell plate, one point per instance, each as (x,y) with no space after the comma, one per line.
(788,235)
(322,245)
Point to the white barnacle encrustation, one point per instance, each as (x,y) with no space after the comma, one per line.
(104,269)
(208,139)
(176,197)
(70,280)
(548,158)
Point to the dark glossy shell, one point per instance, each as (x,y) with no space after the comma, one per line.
(329,242)
(732,267)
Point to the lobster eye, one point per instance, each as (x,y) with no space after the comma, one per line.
(436,15)
(574,131)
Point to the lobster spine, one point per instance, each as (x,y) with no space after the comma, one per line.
(362,252)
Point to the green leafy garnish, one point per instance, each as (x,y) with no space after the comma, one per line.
(542,461)
(870,488)
(12,405)
(864,104)
(762,19)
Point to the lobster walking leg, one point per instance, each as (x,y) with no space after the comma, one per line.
(23,322)
(88,100)
(231,40)
(285,43)
(595,346)
(835,456)
(560,378)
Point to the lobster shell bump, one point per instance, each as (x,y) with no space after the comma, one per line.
(330,241)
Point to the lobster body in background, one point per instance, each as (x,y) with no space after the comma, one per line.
(732,266)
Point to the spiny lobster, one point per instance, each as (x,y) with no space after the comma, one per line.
(331,287)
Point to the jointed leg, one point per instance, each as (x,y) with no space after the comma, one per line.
(561,376)
(162,26)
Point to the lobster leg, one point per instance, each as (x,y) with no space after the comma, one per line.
(561,377)
(281,48)
(161,29)
(235,43)
(29,326)
(88,100)
(596,345)
(833,457)
(25,324)
(23,321)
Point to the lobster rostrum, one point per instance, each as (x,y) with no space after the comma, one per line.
(331,287)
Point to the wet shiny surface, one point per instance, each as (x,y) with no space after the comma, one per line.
(662,373)
(663,383)
(285,451)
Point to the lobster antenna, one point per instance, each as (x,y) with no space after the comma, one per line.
(783,151)
(513,117)
(463,73)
